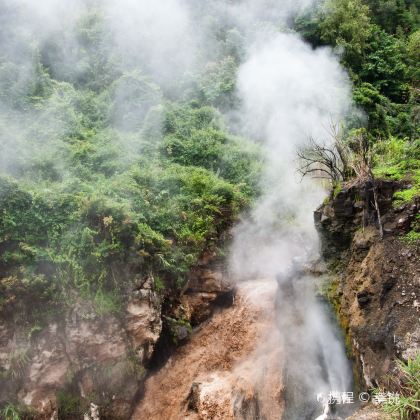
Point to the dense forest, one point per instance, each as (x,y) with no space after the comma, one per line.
(109,176)
(110,173)
(378,42)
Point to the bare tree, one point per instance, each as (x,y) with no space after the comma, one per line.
(339,160)
(327,159)
(362,165)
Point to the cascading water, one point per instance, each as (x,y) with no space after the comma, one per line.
(312,346)
(315,361)
(290,92)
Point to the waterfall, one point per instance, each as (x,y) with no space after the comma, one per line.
(290,92)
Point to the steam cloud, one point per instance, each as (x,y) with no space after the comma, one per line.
(288,91)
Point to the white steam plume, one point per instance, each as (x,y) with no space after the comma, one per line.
(159,37)
(290,92)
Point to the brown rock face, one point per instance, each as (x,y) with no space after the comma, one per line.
(230,369)
(142,321)
(350,210)
(86,359)
(207,284)
(378,298)
(86,356)
(378,290)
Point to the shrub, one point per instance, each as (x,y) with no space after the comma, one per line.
(10,412)
(407,386)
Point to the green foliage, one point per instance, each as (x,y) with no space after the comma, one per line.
(405,196)
(385,65)
(307,24)
(106,303)
(397,159)
(379,43)
(132,96)
(84,58)
(218,83)
(337,189)
(346,24)
(106,179)
(202,142)
(395,15)
(412,237)
(158,284)
(413,52)
(70,406)
(91,227)
(407,385)
(10,412)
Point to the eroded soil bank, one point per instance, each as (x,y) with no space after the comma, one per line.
(231,367)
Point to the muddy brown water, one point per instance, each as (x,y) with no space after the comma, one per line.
(235,359)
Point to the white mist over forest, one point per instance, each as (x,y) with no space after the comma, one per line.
(285,92)
(160,251)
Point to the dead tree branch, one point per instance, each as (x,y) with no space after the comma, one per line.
(323,160)
(338,161)
(362,165)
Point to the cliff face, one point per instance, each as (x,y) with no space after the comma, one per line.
(82,358)
(377,290)
(230,369)
(86,362)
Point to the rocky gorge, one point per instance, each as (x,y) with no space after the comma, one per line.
(373,286)
(178,358)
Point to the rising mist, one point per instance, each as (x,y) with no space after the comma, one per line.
(149,55)
(291,92)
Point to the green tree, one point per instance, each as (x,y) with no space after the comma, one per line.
(346,24)
(385,65)
(413,55)
(395,15)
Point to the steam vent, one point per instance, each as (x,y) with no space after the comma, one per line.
(209,210)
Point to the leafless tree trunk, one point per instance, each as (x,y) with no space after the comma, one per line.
(328,159)
(362,165)
(338,162)
(375,198)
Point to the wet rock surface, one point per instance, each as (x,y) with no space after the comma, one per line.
(90,357)
(377,287)
(87,358)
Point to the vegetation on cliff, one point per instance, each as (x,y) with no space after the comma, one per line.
(104,175)
(379,43)
(109,173)
(406,384)
(105,178)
